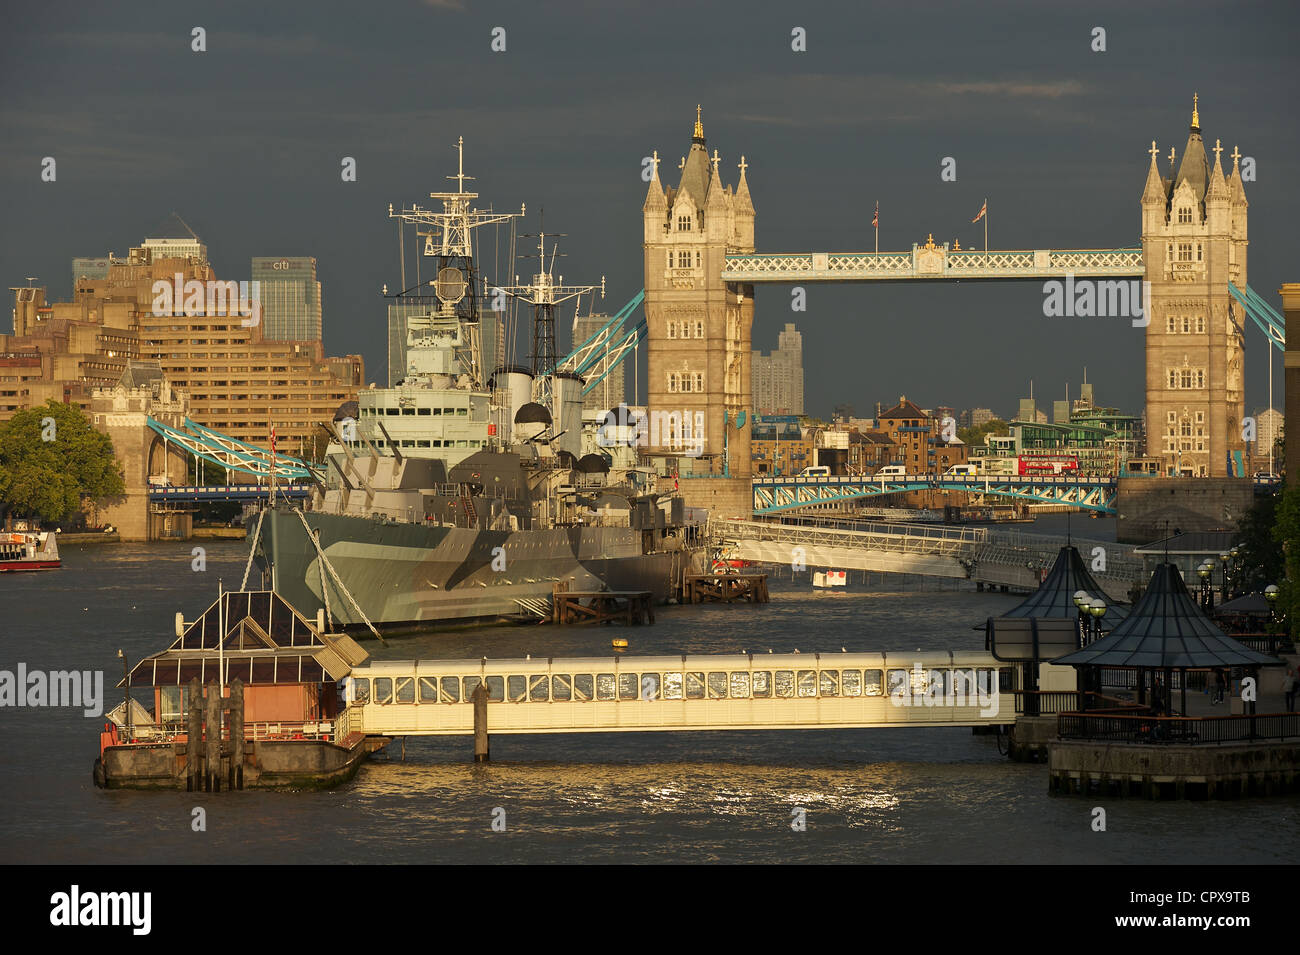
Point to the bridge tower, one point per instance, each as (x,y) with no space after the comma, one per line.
(1194,243)
(698,341)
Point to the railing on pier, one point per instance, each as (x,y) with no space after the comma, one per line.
(1125,728)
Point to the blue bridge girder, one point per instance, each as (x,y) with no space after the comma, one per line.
(778,494)
(162,494)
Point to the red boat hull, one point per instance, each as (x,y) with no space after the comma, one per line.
(13,566)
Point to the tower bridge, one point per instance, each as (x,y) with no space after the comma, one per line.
(701,266)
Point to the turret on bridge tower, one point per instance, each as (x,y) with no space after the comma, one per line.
(1194,243)
(698,324)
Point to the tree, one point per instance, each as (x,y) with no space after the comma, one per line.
(1287,534)
(975,436)
(50,458)
(1262,559)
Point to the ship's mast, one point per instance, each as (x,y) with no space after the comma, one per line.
(544,293)
(448,238)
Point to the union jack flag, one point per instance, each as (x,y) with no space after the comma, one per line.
(983,211)
(875,219)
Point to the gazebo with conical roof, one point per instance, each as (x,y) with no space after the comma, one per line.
(1055,595)
(1165,631)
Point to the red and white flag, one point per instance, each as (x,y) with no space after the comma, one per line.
(983,211)
(875,220)
(273,439)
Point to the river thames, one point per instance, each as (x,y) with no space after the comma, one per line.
(931,795)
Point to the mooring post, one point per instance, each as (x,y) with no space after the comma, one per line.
(236,780)
(194,745)
(480,700)
(212,777)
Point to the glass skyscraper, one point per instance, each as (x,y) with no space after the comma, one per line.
(290,297)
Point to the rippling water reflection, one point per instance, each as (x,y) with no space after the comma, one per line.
(932,795)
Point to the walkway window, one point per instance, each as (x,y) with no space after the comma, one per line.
(807,683)
(383,689)
(963,682)
(496,689)
(829,685)
(938,681)
(740,685)
(897,682)
(851,682)
(562,688)
(871,683)
(695,685)
(428,689)
(516,688)
(762,684)
(628,687)
(785,683)
(361,690)
(717,685)
(649,686)
(537,688)
(605,688)
(584,687)
(672,686)
(450,689)
(405,689)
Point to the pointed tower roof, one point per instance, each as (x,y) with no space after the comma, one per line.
(1195,168)
(1155,187)
(1235,187)
(695,168)
(717,195)
(1166,629)
(1055,596)
(1218,185)
(743,201)
(654,196)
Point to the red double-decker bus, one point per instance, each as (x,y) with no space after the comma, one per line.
(1047,464)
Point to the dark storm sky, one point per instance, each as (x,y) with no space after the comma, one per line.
(245,142)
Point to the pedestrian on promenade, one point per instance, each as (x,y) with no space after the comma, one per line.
(1220,686)
(1289,686)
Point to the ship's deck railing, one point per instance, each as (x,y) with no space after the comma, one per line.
(152,734)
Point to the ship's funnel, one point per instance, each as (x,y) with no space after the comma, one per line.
(568,407)
(515,386)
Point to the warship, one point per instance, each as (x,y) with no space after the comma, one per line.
(461,494)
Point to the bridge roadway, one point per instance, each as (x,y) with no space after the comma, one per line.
(988,556)
(932,262)
(773,495)
(715,692)
(163,494)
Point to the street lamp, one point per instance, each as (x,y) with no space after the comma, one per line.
(1098,610)
(1203,572)
(1270,594)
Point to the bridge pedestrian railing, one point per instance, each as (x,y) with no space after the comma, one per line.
(889,537)
(1124,728)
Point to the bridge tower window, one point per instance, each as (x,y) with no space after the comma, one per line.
(683,223)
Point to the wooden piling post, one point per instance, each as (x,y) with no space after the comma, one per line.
(236,777)
(480,700)
(212,737)
(194,744)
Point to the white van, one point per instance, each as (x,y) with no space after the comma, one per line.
(892,470)
(819,471)
(961,470)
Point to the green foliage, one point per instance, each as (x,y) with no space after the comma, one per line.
(1262,560)
(47,479)
(975,436)
(1287,533)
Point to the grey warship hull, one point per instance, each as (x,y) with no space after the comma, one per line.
(403,574)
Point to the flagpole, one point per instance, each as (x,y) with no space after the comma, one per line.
(986,226)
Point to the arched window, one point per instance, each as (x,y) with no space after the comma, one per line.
(697,260)
(1184,215)
(683,223)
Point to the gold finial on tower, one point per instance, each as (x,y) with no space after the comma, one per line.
(1196,116)
(699,125)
